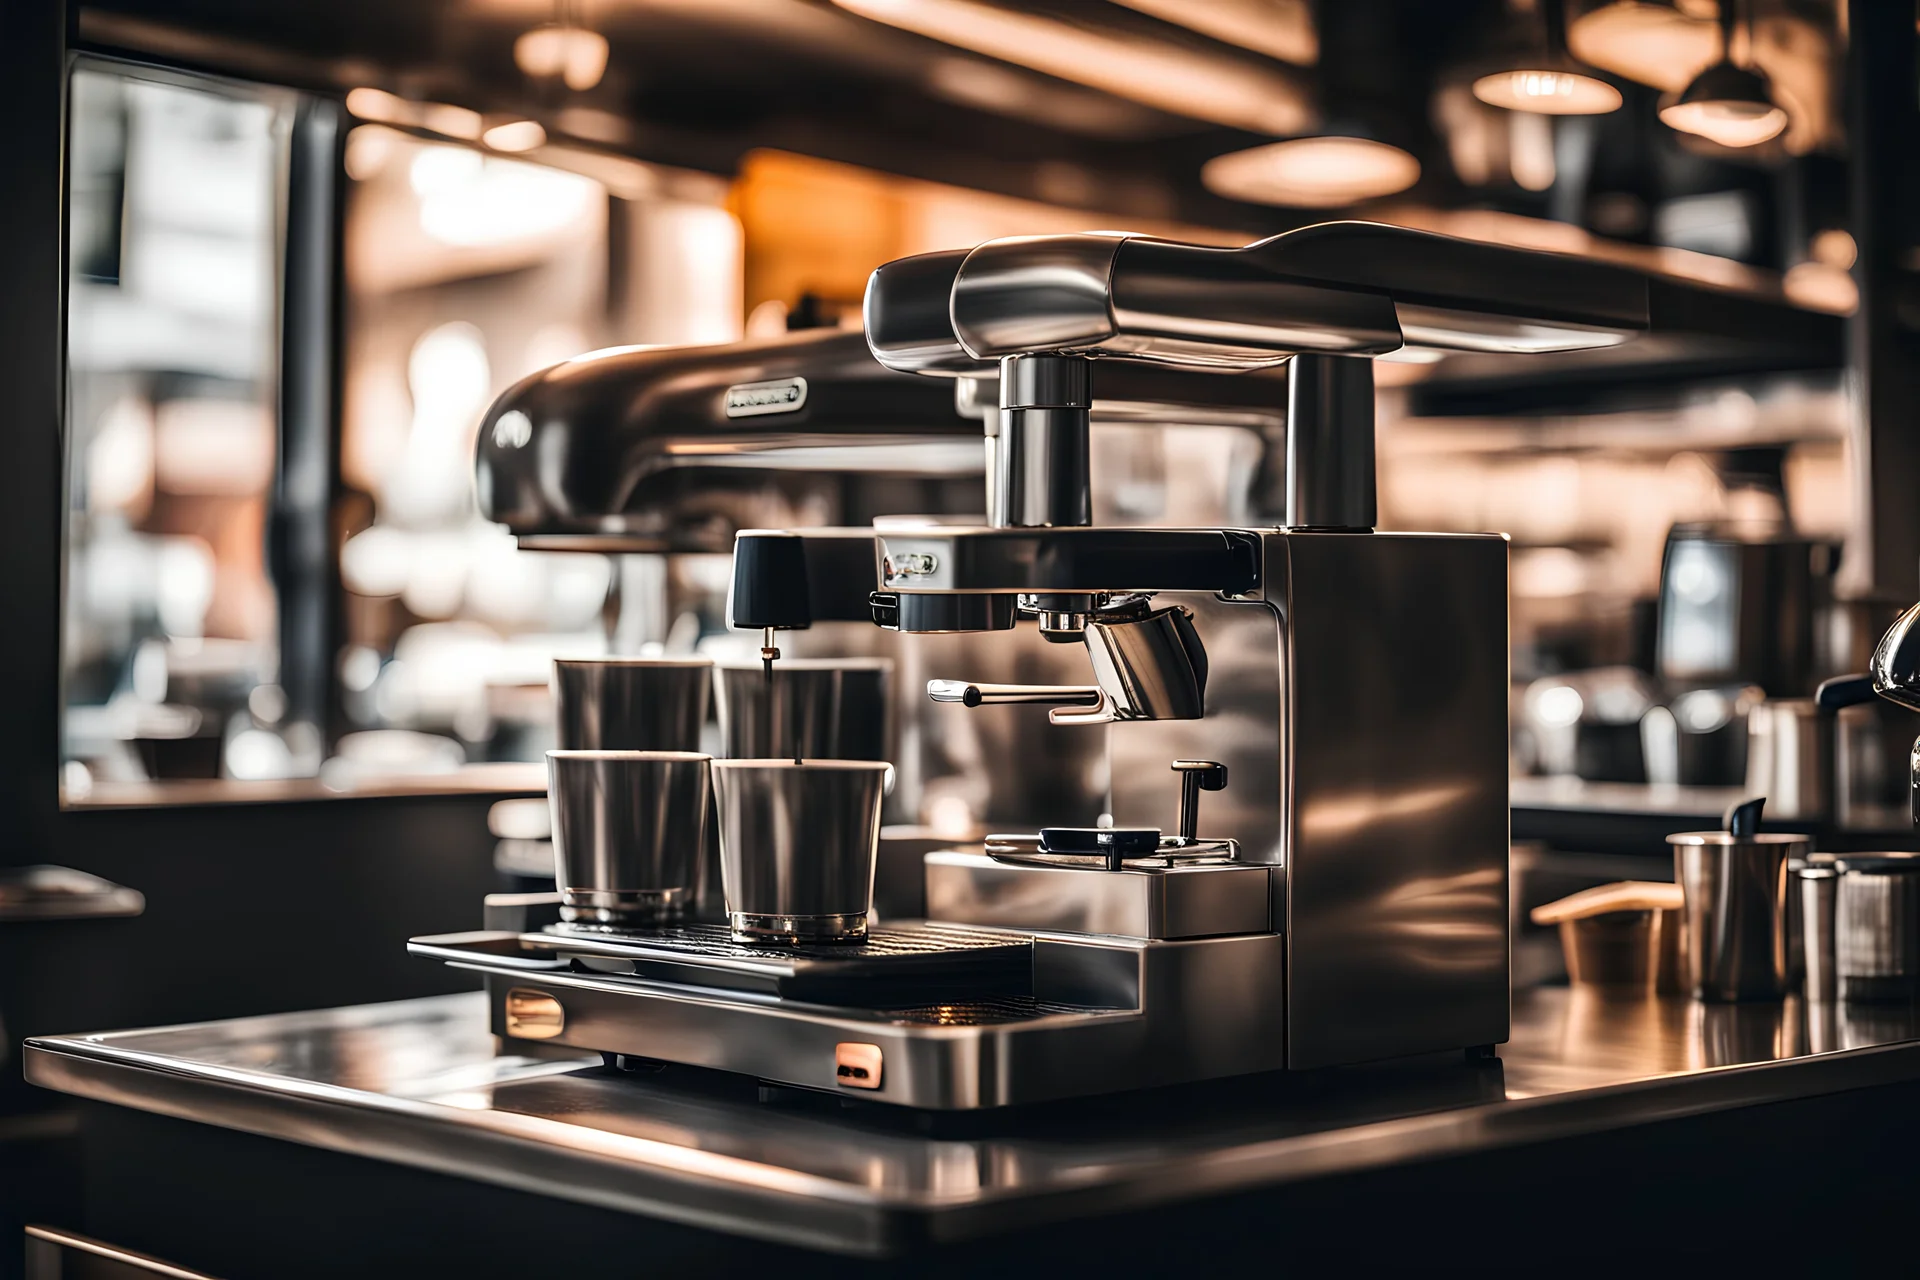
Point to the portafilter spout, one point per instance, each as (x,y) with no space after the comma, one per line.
(1149,664)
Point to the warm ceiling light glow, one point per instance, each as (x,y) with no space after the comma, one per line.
(378,104)
(1835,248)
(515,135)
(439,117)
(453,122)
(1645,41)
(1822,287)
(574,54)
(1729,105)
(1312,173)
(1731,124)
(1184,82)
(1280,29)
(369,148)
(1547,92)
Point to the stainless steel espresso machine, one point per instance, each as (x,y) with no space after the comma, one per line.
(1340,691)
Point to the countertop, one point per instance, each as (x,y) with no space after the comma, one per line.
(422,1083)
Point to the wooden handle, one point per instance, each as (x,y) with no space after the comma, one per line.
(1623,895)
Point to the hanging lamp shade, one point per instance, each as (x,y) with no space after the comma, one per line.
(1730,105)
(1727,103)
(1549,88)
(1545,80)
(1323,172)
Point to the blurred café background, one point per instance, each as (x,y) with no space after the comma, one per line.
(265,586)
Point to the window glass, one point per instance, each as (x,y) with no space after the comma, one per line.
(170,638)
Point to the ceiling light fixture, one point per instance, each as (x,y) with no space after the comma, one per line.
(573,54)
(1312,173)
(1648,41)
(1198,85)
(1727,103)
(1549,82)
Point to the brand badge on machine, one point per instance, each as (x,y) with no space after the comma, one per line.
(750,399)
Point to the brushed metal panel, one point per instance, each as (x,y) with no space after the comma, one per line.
(1397,840)
(1181,902)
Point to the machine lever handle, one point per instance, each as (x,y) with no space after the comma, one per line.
(1196,776)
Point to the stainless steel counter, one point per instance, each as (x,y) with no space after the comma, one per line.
(422,1083)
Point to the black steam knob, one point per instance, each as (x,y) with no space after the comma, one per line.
(1196,776)
(769,582)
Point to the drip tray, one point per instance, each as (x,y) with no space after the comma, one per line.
(898,966)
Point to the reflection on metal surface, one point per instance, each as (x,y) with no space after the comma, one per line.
(533,1015)
(1033,293)
(53,1254)
(858,1066)
(1188,902)
(61,893)
(1418,942)
(1338,814)
(1150,668)
(420,1083)
(1339,288)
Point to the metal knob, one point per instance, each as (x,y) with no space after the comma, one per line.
(1196,776)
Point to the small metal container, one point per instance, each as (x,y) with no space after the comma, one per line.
(813,708)
(1877,927)
(628,829)
(1735,916)
(630,704)
(1814,886)
(797,846)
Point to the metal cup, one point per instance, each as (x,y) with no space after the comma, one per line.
(1877,928)
(628,828)
(630,704)
(797,846)
(813,708)
(1735,916)
(1815,884)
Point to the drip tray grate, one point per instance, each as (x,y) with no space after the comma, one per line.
(904,965)
(978,1013)
(882,943)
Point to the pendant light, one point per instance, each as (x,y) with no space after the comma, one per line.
(1355,153)
(1548,82)
(1727,103)
(565,49)
(1327,171)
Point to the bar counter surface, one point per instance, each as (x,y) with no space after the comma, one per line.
(422,1085)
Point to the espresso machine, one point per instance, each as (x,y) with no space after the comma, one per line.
(1337,693)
